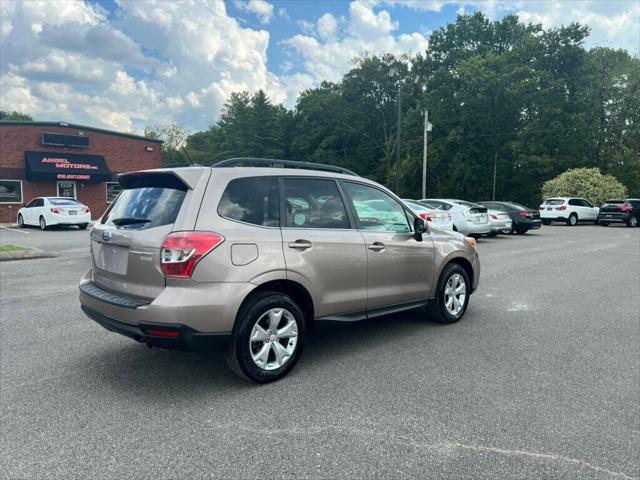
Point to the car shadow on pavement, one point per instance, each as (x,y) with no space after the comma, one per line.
(135,370)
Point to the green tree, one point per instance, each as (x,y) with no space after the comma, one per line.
(13,115)
(174,138)
(588,183)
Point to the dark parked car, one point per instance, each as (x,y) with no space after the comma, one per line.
(620,210)
(523,218)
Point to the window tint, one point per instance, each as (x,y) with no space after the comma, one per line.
(146,207)
(252,200)
(313,203)
(63,201)
(436,205)
(38,202)
(376,210)
(575,202)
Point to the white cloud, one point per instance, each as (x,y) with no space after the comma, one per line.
(327,55)
(262,9)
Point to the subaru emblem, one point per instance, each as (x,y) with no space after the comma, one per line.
(106,235)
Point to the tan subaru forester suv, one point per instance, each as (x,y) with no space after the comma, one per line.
(250,253)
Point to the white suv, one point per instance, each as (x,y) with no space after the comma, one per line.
(570,210)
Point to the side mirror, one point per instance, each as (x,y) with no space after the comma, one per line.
(419,228)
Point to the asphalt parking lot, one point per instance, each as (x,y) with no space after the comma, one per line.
(541,379)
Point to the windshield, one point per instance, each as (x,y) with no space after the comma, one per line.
(147,207)
(59,202)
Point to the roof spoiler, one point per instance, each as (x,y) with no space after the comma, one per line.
(181,179)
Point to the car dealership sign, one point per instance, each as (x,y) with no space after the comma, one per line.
(66,166)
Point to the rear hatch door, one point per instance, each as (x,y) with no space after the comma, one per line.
(126,241)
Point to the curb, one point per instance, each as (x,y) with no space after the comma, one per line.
(30,254)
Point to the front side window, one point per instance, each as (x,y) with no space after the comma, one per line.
(377,210)
(314,203)
(252,200)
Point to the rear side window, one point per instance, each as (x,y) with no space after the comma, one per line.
(144,207)
(314,203)
(252,200)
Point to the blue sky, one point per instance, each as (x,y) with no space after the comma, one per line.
(125,64)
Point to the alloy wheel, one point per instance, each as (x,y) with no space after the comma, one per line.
(455,294)
(633,221)
(273,339)
(43,223)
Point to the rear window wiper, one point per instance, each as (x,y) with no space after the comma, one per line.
(129,221)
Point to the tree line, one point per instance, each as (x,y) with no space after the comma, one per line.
(533,101)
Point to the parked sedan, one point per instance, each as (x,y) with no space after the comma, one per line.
(48,211)
(500,222)
(569,210)
(523,218)
(435,217)
(620,210)
(468,218)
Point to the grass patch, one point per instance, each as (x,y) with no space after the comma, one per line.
(12,248)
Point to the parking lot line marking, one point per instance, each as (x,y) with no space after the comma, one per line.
(15,230)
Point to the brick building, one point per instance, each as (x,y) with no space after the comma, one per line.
(56,159)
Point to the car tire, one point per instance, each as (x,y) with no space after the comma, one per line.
(492,234)
(572,221)
(521,230)
(83,226)
(20,221)
(633,221)
(438,310)
(546,222)
(604,224)
(266,310)
(42,223)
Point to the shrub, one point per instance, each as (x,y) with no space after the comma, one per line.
(587,183)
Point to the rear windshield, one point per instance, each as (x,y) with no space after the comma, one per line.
(144,207)
(554,201)
(615,202)
(468,204)
(416,206)
(436,205)
(59,202)
(518,206)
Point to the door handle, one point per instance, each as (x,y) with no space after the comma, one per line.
(300,244)
(376,246)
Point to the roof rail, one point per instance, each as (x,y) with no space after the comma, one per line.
(275,163)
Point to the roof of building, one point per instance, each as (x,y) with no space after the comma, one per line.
(77,127)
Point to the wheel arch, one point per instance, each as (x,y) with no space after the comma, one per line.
(289,287)
(465,264)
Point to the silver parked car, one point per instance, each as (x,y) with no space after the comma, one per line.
(468,218)
(500,222)
(252,256)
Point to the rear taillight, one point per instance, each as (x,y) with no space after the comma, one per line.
(85,210)
(625,207)
(181,251)
(57,210)
(493,216)
(562,207)
(541,207)
(426,216)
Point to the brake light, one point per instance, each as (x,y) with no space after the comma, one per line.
(426,216)
(57,210)
(562,207)
(181,251)
(85,210)
(541,207)
(493,216)
(626,207)
(523,214)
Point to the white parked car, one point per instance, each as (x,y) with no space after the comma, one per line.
(500,222)
(569,210)
(48,211)
(437,218)
(468,218)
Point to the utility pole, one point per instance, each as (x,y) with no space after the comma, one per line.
(424,154)
(495,165)
(398,132)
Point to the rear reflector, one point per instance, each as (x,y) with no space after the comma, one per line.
(181,251)
(163,333)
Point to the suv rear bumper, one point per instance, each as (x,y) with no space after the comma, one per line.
(185,337)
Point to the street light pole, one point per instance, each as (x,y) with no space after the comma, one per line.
(424,155)
(398,132)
